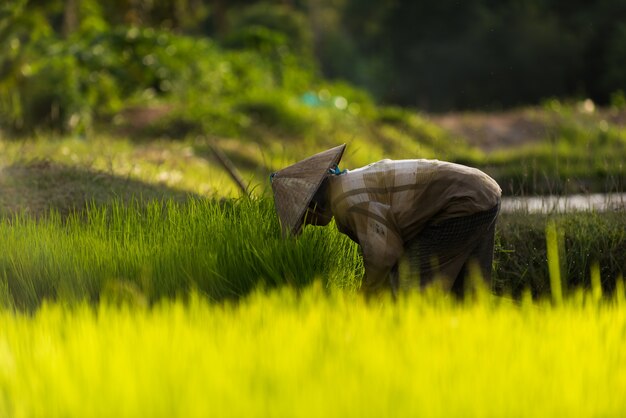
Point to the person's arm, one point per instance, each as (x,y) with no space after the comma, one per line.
(377,233)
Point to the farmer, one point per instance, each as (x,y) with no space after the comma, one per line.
(440,215)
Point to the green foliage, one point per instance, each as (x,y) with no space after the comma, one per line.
(277,113)
(579,151)
(221,249)
(51,96)
(281,38)
(226,249)
(434,56)
(268,27)
(66,84)
(313,354)
(584,239)
(265,87)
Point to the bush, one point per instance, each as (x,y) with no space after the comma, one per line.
(277,112)
(94,74)
(51,97)
(268,27)
(198,119)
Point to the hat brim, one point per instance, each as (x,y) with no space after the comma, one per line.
(294,187)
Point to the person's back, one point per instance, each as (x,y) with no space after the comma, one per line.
(388,205)
(415,191)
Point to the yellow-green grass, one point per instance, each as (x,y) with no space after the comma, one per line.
(173,164)
(316,354)
(106,165)
(571,156)
(146,252)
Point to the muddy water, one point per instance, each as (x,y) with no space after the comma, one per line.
(571,203)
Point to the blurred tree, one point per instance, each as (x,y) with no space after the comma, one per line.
(70,17)
(282,20)
(19,32)
(615,62)
(437,55)
(224,11)
(180,15)
(477,53)
(218,14)
(281,33)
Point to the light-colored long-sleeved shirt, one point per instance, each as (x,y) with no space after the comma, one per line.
(386,204)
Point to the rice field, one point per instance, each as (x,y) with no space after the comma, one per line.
(146,251)
(202,309)
(316,353)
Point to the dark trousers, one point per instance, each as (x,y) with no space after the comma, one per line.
(446,253)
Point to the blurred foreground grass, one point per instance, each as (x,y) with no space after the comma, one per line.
(314,353)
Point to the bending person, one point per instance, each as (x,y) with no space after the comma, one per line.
(440,215)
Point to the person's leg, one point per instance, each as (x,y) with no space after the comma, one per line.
(483,253)
(479,260)
(440,254)
(452,263)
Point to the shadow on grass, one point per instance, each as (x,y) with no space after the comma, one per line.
(241,160)
(35,188)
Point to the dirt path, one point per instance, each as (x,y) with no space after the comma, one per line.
(492,131)
(511,129)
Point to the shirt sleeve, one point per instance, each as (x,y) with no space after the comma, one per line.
(374,229)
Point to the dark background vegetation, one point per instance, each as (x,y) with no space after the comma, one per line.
(66,62)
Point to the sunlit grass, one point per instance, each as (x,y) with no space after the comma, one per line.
(574,151)
(571,152)
(150,250)
(187,163)
(155,250)
(315,354)
(176,164)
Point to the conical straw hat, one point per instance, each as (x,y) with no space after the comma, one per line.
(295,186)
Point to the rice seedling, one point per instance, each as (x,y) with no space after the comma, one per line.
(202,308)
(146,251)
(163,249)
(583,239)
(315,353)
